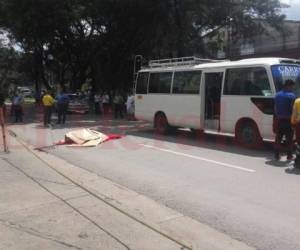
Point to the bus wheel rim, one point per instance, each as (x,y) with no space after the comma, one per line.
(248,135)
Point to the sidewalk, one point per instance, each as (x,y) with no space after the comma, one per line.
(46,203)
(40,209)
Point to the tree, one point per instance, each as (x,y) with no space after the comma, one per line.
(8,68)
(194,20)
(34,25)
(98,39)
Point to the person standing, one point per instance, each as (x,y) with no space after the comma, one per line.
(105,101)
(17,107)
(37,97)
(118,105)
(130,107)
(98,103)
(295,120)
(90,101)
(284,101)
(48,103)
(62,101)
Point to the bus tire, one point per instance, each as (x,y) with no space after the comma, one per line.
(161,124)
(247,134)
(197,133)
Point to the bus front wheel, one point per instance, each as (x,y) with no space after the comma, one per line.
(247,135)
(161,124)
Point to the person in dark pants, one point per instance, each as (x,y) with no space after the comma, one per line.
(48,103)
(105,102)
(118,105)
(98,103)
(284,101)
(17,107)
(62,101)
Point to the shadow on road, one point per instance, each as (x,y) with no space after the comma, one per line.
(275,163)
(295,171)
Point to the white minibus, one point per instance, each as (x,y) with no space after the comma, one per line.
(227,97)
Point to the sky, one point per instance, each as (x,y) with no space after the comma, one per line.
(292,13)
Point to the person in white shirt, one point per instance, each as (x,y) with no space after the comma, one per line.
(105,102)
(130,107)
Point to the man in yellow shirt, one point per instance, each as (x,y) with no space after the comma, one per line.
(295,121)
(48,103)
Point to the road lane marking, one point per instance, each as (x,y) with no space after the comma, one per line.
(201,159)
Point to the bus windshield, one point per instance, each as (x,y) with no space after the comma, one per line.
(281,73)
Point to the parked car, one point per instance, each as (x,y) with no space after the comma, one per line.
(25,91)
(78,104)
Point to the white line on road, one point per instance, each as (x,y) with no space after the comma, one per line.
(201,159)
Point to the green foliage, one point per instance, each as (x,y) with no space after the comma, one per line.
(98,39)
(8,69)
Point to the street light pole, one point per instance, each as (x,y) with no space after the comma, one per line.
(50,59)
(136,59)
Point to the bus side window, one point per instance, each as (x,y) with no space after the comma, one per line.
(251,89)
(247,81)
(186,82)
(142,83)
(236,87)
(160,83)
(262,82)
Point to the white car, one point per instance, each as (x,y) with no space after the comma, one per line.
(25,91)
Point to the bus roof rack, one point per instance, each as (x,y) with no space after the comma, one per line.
(180,61)
(296,61)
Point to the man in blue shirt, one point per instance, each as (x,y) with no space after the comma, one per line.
(62,102)
(284,101)
(17,107)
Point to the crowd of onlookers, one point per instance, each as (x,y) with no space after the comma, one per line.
(118,103)
(103,103)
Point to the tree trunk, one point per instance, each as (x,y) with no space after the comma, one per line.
(179,23)
(38,57)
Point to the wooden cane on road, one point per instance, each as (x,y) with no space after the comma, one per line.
(2,122)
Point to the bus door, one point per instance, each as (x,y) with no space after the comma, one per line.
(212,100)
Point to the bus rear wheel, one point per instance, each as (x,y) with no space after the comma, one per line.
(247,135)
(197,133)
(161,124)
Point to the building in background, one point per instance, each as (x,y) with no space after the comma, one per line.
(285,43)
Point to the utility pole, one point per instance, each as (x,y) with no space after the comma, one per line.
(136,67)
(2,123)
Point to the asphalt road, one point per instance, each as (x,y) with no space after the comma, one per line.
(243,193)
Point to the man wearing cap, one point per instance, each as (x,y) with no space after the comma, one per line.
(284,101)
